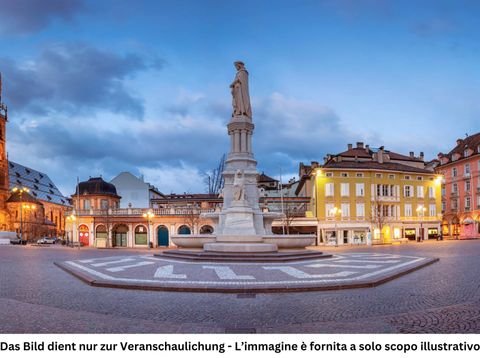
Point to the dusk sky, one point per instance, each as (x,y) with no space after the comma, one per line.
(100,87)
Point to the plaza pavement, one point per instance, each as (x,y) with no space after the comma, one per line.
(38,297)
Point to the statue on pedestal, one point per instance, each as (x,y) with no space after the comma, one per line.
(239,186)
(240,94)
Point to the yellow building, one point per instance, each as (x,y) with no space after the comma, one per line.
(367,195)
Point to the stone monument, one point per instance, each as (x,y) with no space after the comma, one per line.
(241,226)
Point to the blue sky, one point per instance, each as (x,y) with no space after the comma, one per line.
(100,87)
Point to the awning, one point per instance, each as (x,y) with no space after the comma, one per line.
(468,221)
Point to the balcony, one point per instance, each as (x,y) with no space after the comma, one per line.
(466,175)
(181,211)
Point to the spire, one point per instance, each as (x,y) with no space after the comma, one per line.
(3,107)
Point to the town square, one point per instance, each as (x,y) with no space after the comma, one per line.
(208,179)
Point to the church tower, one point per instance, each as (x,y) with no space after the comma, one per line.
(4,184)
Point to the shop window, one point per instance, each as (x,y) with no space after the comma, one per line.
(141,235)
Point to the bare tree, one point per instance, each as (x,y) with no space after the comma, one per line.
(191,217)
(214,179)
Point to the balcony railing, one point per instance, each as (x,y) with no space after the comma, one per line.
(140,212)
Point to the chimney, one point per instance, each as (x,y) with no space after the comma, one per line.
(412,155)
(380,155)
(367,148)
(421,155)
(359,144)
(350,146)
(459,141)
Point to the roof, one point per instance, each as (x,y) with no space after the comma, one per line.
(262,178)
(367,152)
(357,152)
(376,166)
(22,197)
(95,186)
(471,142)
(40,185)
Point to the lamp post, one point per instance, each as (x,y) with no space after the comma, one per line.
(71,219)
(21,191)
(149,215)
(334,211)
(421,213)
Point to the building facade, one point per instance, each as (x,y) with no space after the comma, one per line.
(366,194)
(98,220)
(30,203)
(461,189)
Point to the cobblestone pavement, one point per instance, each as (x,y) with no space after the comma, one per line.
(345,270)
(38,297)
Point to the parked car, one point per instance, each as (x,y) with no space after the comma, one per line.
(18,241)
(46,240)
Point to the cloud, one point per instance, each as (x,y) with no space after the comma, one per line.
(29,16)
(73,78)
(174,148)
(289,130)
(183,178)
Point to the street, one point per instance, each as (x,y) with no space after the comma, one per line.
(38,297)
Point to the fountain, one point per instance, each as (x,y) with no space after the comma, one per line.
(241,226)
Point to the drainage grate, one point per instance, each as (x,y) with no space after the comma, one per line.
(246,295)
(241,330)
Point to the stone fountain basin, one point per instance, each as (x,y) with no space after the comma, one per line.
(282,241)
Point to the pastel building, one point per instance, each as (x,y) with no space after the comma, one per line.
(374,194)
(98,220)
(461,189)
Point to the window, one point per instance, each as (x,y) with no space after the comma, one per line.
(454,204)
(454,172)
(432,210)
(465,153)
(329,174)
(408,191)
(408,209)
(360,210)
(141,235)
(345,210)
(419,178)
(431,192)
(104,204)
(467,185)
(466,169)
(86,204)
(329,189)
(420,193)
(360,189)
(360,175)
(467,203)
(391,176)
(328,210)
(344,175)
(344,189)
(478,201)
(454,188)
(378,175)
(407,177)
(443,206)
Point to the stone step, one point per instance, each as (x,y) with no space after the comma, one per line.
(283,256)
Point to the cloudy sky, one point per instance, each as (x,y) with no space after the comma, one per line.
(99,87)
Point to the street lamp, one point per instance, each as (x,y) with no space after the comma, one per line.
(149,215)
(333,212)
(71,219)
(21,191)
(421,213)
